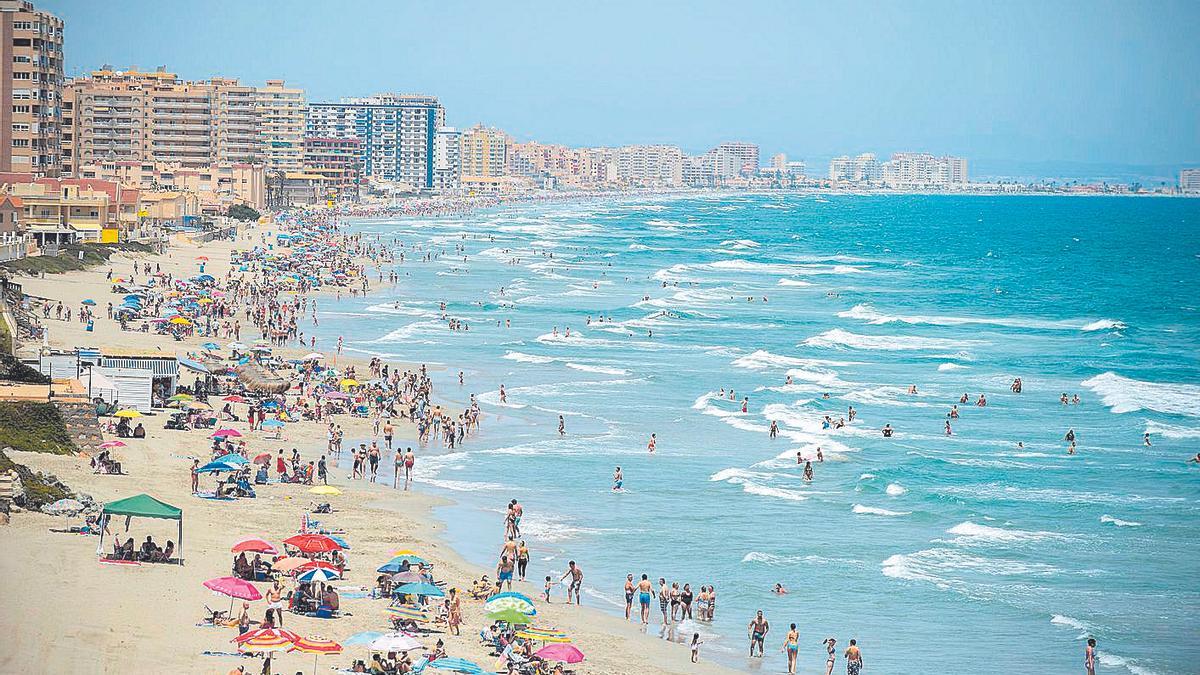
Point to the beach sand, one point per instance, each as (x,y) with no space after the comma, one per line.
(68,612)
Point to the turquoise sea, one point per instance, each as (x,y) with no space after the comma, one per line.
(962,553)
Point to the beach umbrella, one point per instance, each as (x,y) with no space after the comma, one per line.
(226,433)
(312,356)
(218,466)
(340,540)
(202,257)
(510,616)
(325,490)
(64,506)
(412,558)
(182,397)
(500,604)
(235,345)
(204,301)
(349,382)
(315,646)
(211,346)
(234,398)
(263,458)
(408,577)
(318,574)
(234,459)
(312,543)
(394,642)
(253,545)
(269,405)
(234,588)
(288,564)
(273,424)
(335,395)
(128,414)
(112,444)
(88,301)
(560,652)
(196,405)
(420,589)
(454,665)
(317,564)
(180,321)
(365,637)
(512,594)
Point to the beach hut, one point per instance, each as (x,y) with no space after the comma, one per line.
(142,506)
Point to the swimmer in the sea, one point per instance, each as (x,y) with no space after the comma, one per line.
(618,479)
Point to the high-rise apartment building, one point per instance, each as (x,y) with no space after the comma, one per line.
(864,168)
(650,165)
(338,160)
(735,159)
(923,170)
(115,115)
(483,155)
(447,159)
(1189,180)
(31,88)
(397,133)
(281,113)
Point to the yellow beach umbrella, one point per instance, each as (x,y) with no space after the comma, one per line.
(180,321)
(204,301)
(325,490)
(130,413)
(197,405)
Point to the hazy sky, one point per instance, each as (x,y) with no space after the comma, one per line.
(1104,82)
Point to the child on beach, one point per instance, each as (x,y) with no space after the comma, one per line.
(546,590)
(696,641)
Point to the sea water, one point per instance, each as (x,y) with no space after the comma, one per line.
(961,553)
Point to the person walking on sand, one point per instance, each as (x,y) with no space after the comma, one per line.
(1090,656)
(504,572)
(576,574)
(195,476)
(758,629)
(388,432)
(854,660)
(791,647)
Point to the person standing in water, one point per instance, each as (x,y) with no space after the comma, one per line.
(830,644)
(645,591)
(562,426)
(808,471)
(1090,656)
(653,442)
(758,629)
(791,647)
(618,479)
(854,661)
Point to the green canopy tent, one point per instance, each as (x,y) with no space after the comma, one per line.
(142,506)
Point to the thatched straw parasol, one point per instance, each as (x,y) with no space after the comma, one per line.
(259,380)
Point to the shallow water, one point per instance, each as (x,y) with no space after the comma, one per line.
(937,553)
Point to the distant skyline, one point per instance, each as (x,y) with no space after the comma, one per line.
(1019,83)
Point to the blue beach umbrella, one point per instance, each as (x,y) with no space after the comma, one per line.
(422,589)
(318,574)
(339,540)
(270,405)
(218,466)
(211,345)
(88,301)
(512,594)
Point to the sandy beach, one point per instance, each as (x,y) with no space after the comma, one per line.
(68,612)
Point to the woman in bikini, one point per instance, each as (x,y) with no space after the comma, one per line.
(791,647)
(830,646)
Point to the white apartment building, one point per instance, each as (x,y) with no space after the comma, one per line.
(650,165)
(1189,180)
(447,159)
(864,168)
(397,133)
(923,170)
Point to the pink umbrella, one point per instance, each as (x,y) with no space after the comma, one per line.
(335,394)
(226,433)
(234,588)
(112,444)
(560,652)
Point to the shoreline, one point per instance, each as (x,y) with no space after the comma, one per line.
(102,605)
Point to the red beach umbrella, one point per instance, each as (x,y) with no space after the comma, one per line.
(313,543)
(254,545)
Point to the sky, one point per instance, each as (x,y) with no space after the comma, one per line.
(1095,83)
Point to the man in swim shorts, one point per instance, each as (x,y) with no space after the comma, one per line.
(758,630)
(576,575)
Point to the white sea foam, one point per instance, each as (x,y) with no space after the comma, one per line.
(1123,395)
(871,510)
(1109,520)
(1171,430)
(865,312)
(754,482)
(606,370)
(841,338)
(794,282)
(940,565)
(884,395)
(527,358)
(1070,622)
(895,489)
(1111,660)
(462,485)
(867,476)
(775,559)
(945,367)
(973,533)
